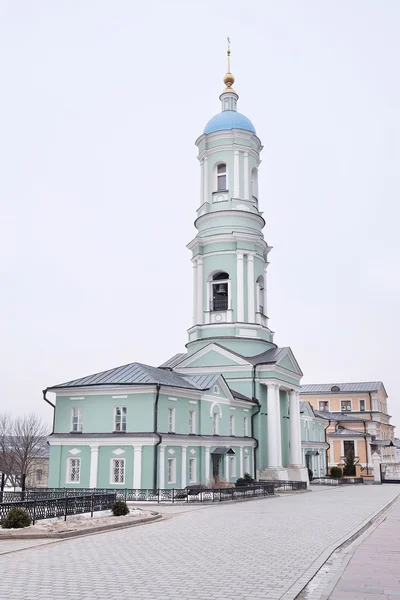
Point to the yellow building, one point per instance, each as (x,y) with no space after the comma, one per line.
(356,418)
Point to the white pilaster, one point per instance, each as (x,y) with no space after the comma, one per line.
(199,290)
(137,467)
(294,422)
(241,462)
(205,179)
(271,425)
(250,289)
(240,290)
(265,289)
(236,174)
(227,474)
(94,462)
(194,291)
(246,176)
(184,467)
(253,452)
(201,182)
(278,426)
(161,468)
(207,464)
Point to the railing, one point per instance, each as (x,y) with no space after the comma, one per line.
(336,480)
(61,506)
(219,304)
(285,486)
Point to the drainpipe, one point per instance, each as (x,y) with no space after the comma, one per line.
(327,448)
(252,420)
(44,392)
(158,387)
(366,445)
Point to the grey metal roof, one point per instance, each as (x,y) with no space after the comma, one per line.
(240,396)
(173,361)
(326,388)
(330,416)
(201,382)
(271,356)
(131,374)
(384,443)
(345,432)
(223,450)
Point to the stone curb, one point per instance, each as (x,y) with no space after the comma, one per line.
(71,534)
(307,576)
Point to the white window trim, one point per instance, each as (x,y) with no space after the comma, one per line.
(216,178)
(210,296)
(171,428)
(216,389)
(79,412)
(346,400)
(215,423)
(171,461)
(112,460)
(193,413)
(69,462)
(329,405)
(359,404)
(231,424)
(232,467)
(245,426)
(114,417)
(193,461)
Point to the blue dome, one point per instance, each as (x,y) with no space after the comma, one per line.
(229,119)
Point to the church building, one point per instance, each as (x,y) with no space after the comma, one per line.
(229,404)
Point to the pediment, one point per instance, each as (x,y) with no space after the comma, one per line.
(213,355)
(287,361)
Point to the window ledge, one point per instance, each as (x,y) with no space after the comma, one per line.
(123,432)
(76,432)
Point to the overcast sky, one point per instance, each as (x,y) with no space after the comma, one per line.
(100,106)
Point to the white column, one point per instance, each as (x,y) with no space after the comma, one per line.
(201,182)
(183,467)
(265,290)
(294,429)
(252,464)
(207,464)
(199,290)
(227,467)
(246,176)
(194,291)
(94,462)
(137,467)
(241,463)
(250,289)
(161,468)
(240,290)
(205,179)
(376,464)
(236,174)
(278,426)
(271,425)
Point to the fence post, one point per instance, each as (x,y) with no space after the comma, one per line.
(173,495)
(65,507)
(125,494)
(34,511)
(91,504)
(220,498)
(158,493)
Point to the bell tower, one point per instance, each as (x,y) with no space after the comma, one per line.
(229,253)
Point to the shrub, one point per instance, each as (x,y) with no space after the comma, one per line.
(16,518)
(119,508)
(310,474)
(245,480)
(349,468)
(336,472)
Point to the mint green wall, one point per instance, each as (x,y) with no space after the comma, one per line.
(148,467)
(105,456)
(84,455)
(55,467)
(178,457)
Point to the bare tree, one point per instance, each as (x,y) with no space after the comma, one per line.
(21,442)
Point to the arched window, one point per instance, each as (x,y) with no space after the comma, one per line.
(254,183)
(221,177)
(219,291)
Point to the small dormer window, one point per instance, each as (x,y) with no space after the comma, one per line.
(221,177)
(219,291)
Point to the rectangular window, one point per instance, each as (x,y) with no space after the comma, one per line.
(120,418)
(323,405)
(221,177)
(345,405)
(362,405)
(192,470)
(171,470)
(348,447)
(74,470)
(76,418)
(246,463)
(192,421)
(215,423)
(232,425)
(171,420)
(246,426)
(232,466)
(117,470)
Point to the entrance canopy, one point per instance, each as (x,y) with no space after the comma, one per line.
(223,450)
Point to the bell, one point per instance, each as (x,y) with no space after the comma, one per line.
(221,289)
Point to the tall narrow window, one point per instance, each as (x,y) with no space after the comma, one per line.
(362,405)
(192,470)
(76,419)
(120,418)
(232,425)
(323,405)
(117,470)
(215,423)
(171,420)
(171,470)
(74,470)
(254,183)
(246,463)
(219,291)
(221,178)
(192,421)
(232,466)
(246,426)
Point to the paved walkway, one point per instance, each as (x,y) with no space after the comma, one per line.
(261,549)
(373,572)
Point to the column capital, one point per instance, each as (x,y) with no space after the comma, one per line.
(94,447)
(199,260)
(239,255)
(250,257)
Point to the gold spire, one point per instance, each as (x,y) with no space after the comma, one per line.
(229,79)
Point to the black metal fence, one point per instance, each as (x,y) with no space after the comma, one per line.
(337,480)
(61,506)
(286,486)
